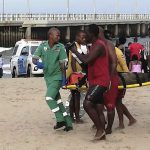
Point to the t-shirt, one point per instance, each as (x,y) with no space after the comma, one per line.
(51,57)
(78,67)
(121,64)
(135,49)
(98,70)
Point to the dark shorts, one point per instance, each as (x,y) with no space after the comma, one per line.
(95,94)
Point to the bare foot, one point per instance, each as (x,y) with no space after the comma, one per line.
(121,126)
(133,121)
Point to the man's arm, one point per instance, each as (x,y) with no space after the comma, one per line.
(36,57)
(98,50)
(37,54)
(112,58)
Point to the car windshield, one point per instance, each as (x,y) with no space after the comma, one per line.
(33,48)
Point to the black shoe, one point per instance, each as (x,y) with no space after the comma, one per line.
(68,129)
(59,125)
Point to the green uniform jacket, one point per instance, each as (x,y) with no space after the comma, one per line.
(51,57)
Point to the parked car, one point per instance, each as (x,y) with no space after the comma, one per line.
(21,61)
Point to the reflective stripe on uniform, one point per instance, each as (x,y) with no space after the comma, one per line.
(49,98)
(64,114)
(59,101)
(55,109)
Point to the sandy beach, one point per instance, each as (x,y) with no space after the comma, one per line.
(26,122)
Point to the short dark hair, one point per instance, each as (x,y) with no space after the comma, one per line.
(122,40)
(51,30)
(107,34)
(80,31)
(94,29)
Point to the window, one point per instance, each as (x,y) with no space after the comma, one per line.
(33,48)
(15,49)
(25,51)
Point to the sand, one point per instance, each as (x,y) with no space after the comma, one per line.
(26,123)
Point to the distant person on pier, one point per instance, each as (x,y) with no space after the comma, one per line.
(1,65)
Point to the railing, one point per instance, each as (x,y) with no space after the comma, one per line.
(75,17)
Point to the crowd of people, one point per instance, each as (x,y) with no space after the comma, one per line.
(96,62)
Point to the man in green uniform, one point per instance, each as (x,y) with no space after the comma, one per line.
(54,57)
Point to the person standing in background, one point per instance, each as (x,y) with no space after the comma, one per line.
(136,49)
(74,66)
(135,65)
(120,107)
(1,65)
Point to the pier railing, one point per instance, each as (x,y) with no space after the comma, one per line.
(75,17)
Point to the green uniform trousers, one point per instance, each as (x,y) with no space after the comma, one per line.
(53,100)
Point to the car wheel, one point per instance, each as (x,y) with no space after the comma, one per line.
(14,73)
(29,72)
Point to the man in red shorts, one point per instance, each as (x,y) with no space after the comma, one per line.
(98,77)
(111,95)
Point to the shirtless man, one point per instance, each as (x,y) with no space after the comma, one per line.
(111,95)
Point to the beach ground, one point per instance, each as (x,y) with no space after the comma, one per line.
(26,123)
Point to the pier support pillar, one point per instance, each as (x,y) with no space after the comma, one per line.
(143,29)
(82,27)
(68,34)
(138,29)
(28,33)
(128,30)
(116,30)
(105,27)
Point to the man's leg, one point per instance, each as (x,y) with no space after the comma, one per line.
(110,117)
(52,91)
(90,108)
(77,107)
(71,106)
(110,102)
(132,120)
(63,110)
(120,113)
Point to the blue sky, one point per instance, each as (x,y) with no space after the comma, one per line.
(76,6)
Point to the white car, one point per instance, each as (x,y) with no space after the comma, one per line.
(21,61)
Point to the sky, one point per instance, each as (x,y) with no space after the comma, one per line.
(75,6)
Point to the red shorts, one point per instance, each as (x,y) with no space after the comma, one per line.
(110,96)
(121,94)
